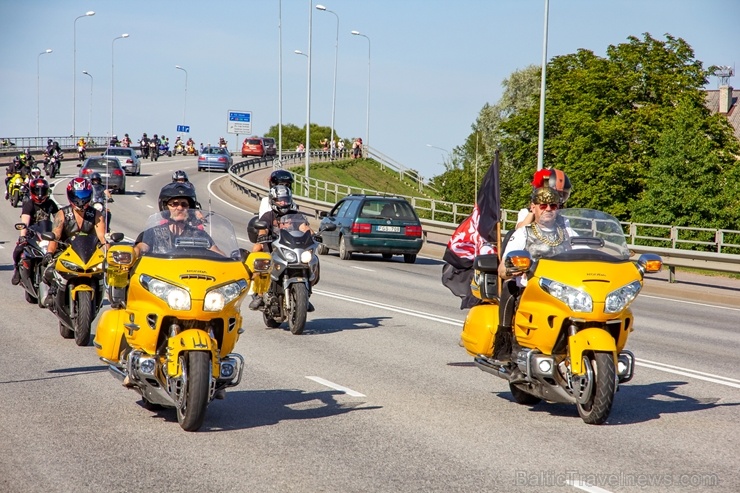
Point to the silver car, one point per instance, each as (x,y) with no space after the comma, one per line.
(129,160)
(215,158)
(110,170)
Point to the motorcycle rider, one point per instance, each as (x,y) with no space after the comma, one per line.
(177,203)
(35,174)
(39,208)
(102,196)
(144,146)
(113,141)
(546,177)
(71,220)
(126,142)
(546,236)
(154,148)
(19,165)
(277,177)
(281,203)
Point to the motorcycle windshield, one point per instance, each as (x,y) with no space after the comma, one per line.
(294,231)
(84,245)
(190,233)
(597,234)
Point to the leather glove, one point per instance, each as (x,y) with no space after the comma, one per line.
(48,258)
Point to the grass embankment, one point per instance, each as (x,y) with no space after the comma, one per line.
(363,174)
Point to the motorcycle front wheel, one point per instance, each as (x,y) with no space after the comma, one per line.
(84,318)
(597,409)
(196,379)
(15,198)
(299,308)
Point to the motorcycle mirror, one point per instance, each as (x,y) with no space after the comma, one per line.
(329,227)
(116,237)
(260,225)
(19,226)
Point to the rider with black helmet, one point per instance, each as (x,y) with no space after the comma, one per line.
(39,208)
(179,218)
(277,177)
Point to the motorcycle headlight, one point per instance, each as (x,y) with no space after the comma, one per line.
(618,300)
(71,266)
(289,255)
(217,298)
(306,256)
(577,300)
(175,297)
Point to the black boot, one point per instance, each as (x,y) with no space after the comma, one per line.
(16,279)
(502,345)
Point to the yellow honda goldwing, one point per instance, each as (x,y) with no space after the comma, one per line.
(175,316)
(572,320)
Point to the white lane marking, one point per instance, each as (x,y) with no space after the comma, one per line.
(709,377)
(335,386)
(688,369)
(689,302)
(689,373)
(359,301)
(362,268)
(586,486)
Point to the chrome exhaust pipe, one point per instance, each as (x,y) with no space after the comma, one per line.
(483,363)
(117,372)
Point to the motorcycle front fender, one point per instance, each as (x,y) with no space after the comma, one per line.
(190,340)
(593,339)
(79,288)
(295,280)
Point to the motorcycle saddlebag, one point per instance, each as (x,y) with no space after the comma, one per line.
(484,284)
(109,333)
(479,329)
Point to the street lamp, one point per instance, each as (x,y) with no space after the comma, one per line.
(336,57)
(74,72)
(449,154)
(308,111)
(89,125)
(367,124)
(308,91)
(186,92)
(112,78)
(38,99)
(541,138)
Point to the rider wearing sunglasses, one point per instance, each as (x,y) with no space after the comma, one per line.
(547,235)
(546,177)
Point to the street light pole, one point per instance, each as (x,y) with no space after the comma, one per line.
(336,58)
(280,82)
(112,78)
(367,123)
(38,98)
(308,105)
(541,139)
(186,93)
(89,125)
(74,71)
(308,97)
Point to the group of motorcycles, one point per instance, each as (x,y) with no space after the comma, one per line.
(174,318)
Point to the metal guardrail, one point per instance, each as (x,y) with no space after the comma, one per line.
(637,233)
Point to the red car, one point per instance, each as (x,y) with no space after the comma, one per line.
(253,146)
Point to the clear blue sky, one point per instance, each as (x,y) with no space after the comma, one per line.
(434,63)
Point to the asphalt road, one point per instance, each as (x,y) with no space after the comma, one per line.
(375,396)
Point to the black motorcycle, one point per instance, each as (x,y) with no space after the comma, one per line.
(295,270)
(52,165)
(31,266)
(144,147)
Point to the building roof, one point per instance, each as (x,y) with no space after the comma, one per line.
(733,116)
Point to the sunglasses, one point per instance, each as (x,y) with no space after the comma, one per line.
(553,207)
(178,203)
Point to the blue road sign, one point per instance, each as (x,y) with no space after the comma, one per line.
(235,116)
(183,128)
(239,122)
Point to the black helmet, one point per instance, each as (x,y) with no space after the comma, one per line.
(180,175)
(48,142)
(281,177)
(281,199)
(176,190)
(96,176)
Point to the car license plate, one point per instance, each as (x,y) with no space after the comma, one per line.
(389,229)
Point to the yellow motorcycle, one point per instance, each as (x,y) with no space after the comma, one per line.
(77,278)
(15,189)
(572,320)
(175,315)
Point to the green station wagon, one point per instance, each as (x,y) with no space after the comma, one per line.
(372,224)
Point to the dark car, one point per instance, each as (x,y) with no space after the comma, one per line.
(215,158)
(110,169)
(373,224)
(129,160)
